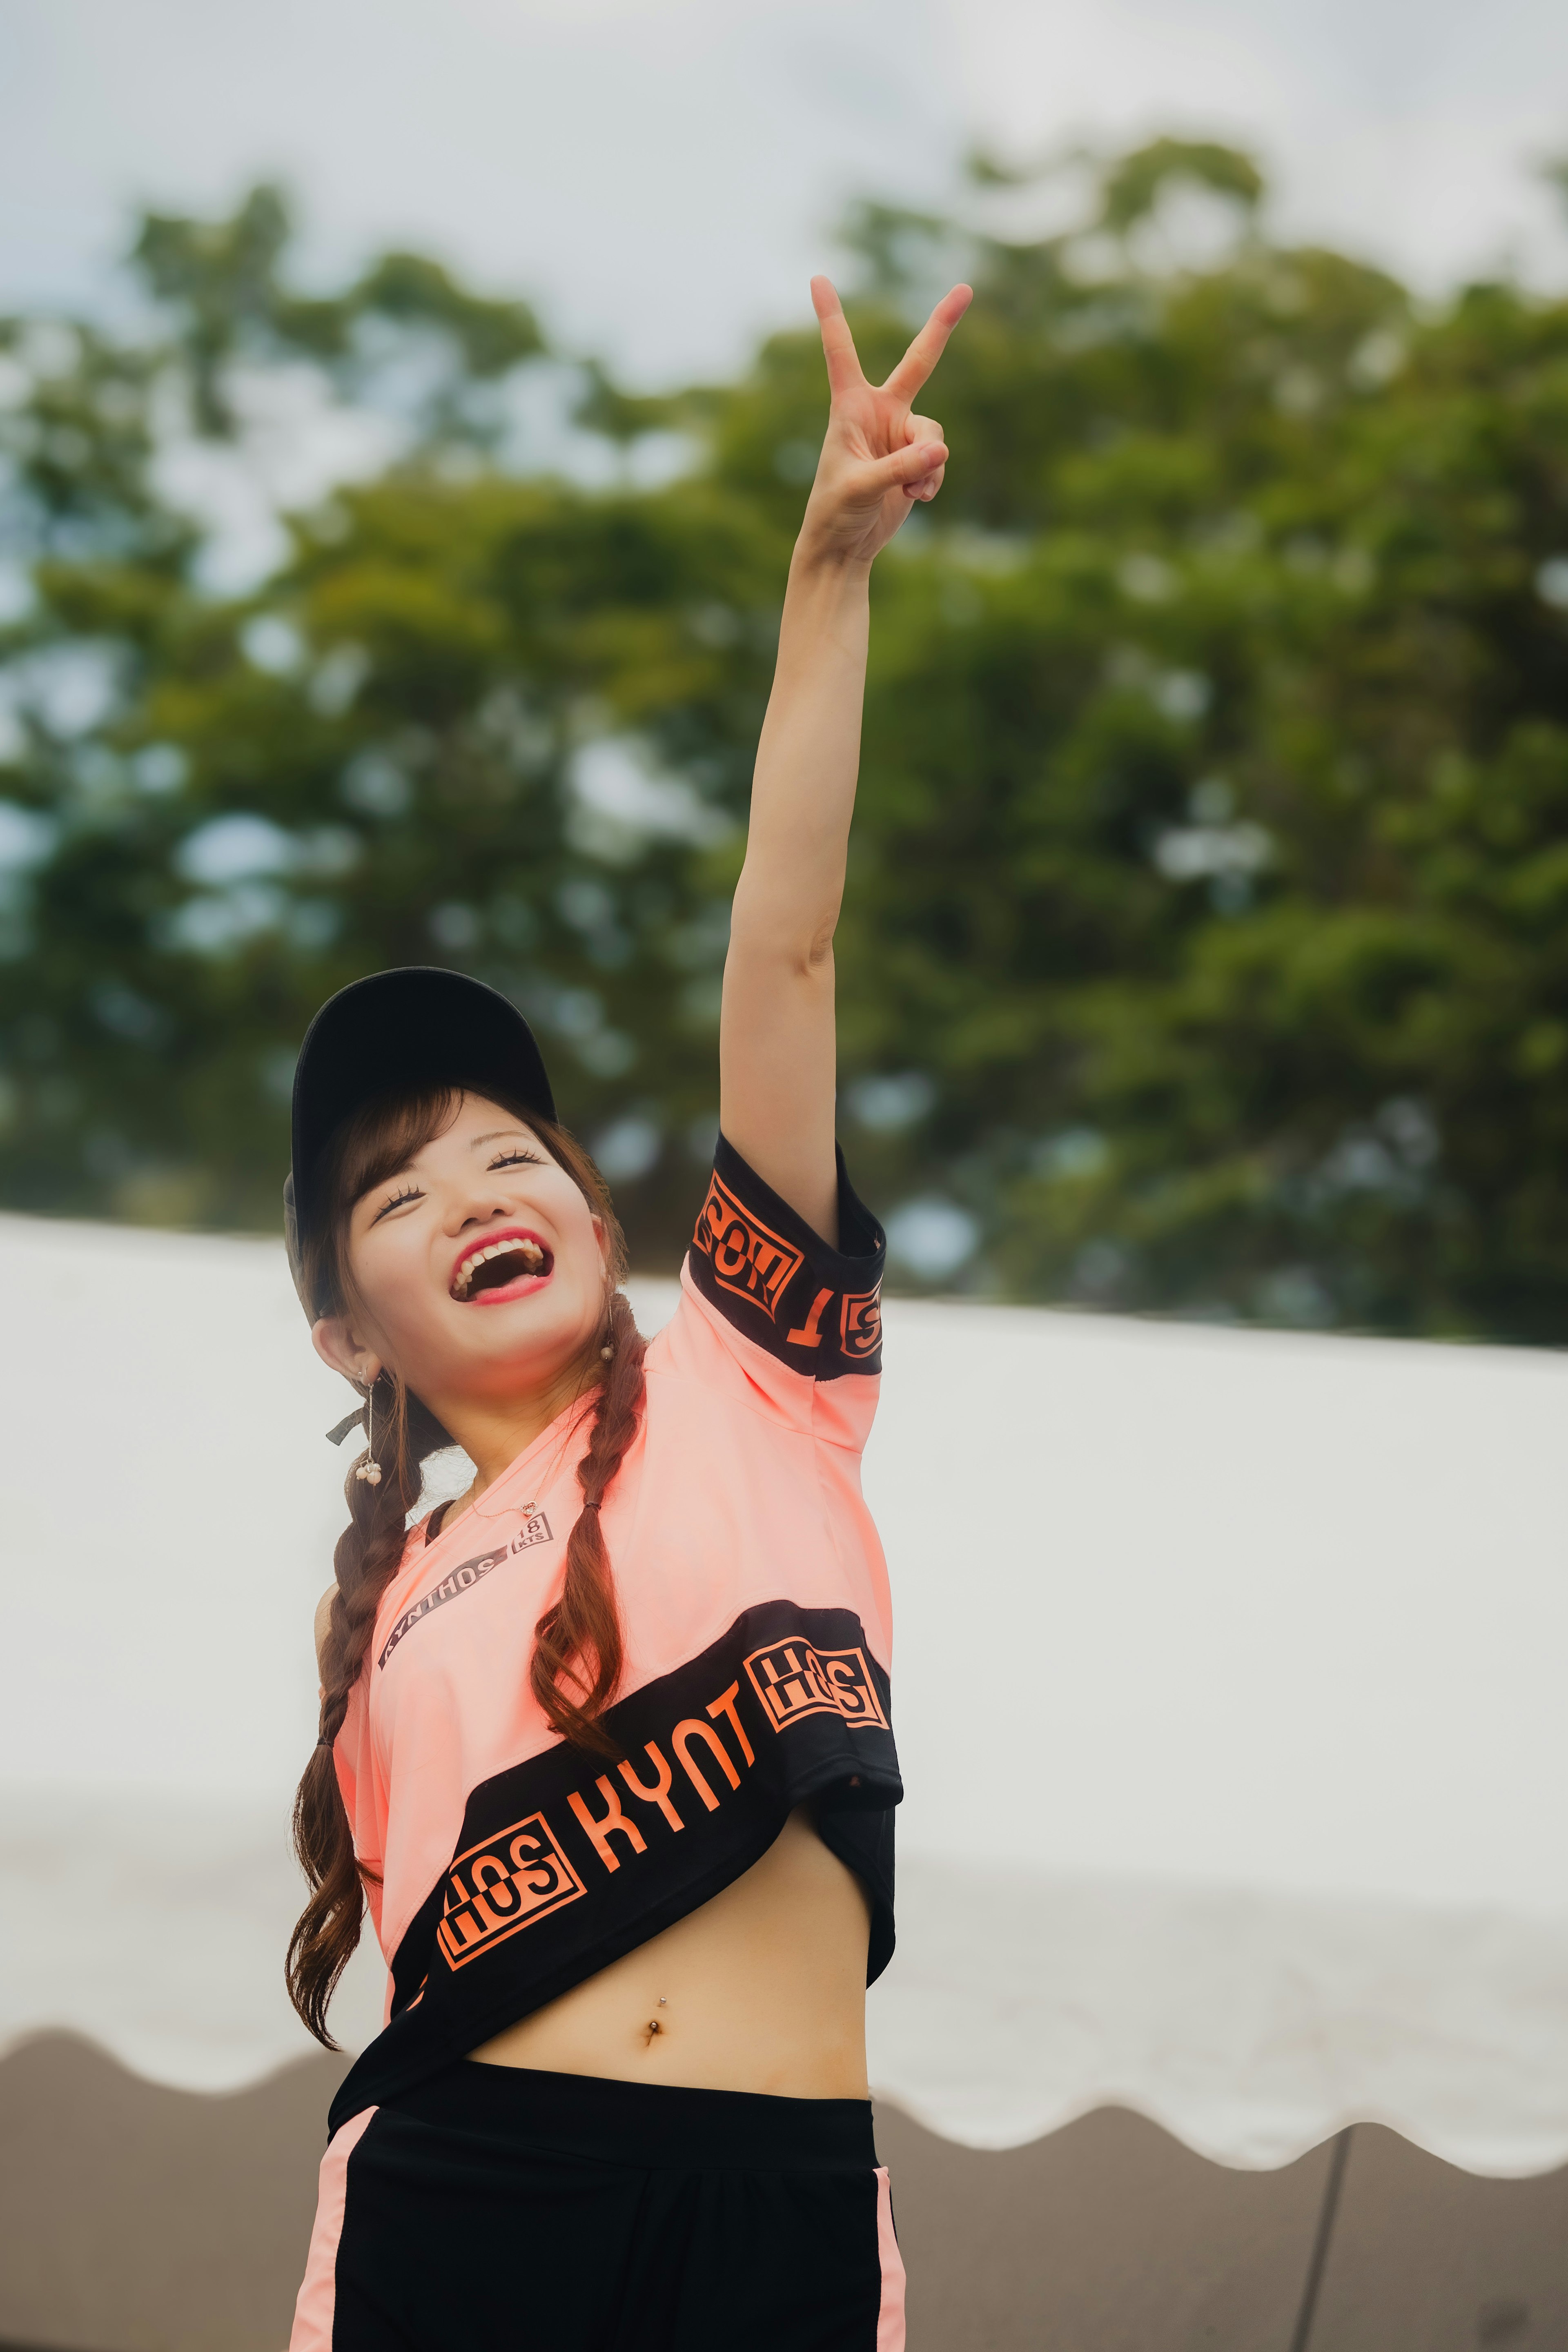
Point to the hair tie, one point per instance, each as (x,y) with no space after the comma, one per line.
(590,1507)
(325,1742)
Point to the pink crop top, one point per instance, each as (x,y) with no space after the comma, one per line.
(754,1601)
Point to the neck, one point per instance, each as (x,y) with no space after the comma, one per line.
(493,1432)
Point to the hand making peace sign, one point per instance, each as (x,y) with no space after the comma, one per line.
(878,458)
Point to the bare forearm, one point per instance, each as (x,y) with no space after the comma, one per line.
(803,792)
(776,1035)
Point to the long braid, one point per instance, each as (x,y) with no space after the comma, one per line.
(577,1646)
(366,1559)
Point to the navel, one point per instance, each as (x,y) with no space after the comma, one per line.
(655,2025)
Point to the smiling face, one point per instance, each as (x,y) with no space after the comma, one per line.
(477,1267)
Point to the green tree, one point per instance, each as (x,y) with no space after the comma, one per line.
(219,810)
(1203,951)
(1206,869)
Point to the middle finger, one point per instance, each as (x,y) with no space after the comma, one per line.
(929,344)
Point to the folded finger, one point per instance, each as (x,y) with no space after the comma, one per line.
(909,468)
(844,370)
(929,344)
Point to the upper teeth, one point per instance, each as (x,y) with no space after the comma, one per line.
(510,1248)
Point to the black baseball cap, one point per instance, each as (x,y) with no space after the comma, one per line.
(415,1026)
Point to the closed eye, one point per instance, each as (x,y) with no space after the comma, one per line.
(517,1159)
(409,1192)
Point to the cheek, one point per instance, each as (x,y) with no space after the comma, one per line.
(393,1277)
(578,1257)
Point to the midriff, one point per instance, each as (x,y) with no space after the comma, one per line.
(762,1989)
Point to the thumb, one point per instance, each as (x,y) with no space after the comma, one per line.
(909,464)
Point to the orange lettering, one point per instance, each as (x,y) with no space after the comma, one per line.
(492,1884)
(748,1258)
(725,1704)
(860,1324)
(614,1820)
(659,1793)
(693,1730)
(808,1336)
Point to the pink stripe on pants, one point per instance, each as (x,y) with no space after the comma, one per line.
(316,2301)
(890,2318)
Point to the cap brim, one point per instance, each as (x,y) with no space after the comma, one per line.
(416,1026)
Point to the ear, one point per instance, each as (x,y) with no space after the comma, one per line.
(336,1345)
(601,1236)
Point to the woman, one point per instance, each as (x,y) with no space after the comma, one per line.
(607,1741)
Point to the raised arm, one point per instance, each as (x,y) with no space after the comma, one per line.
(777,1045)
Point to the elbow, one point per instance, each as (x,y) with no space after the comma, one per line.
(817,952)
(804,957)
(795,941)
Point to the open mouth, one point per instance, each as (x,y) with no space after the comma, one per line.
(501,1266)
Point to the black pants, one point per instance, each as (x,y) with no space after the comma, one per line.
(499,2209)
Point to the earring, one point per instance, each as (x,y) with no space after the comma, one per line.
(369,1468)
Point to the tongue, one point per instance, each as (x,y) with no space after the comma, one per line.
(497,1272)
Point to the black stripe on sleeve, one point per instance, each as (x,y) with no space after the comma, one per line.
(776,1280)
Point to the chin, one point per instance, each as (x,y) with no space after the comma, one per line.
(530,1337)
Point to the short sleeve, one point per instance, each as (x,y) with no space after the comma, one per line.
(774,1279)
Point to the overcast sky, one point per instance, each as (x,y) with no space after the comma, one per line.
(663,174)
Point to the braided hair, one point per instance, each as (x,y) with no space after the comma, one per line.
(578,1650)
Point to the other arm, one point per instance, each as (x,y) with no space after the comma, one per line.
(777,1041)
(323,1626)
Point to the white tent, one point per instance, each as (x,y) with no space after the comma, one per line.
(1229,1690)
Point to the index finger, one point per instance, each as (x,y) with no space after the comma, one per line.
(844,370)
(929,344)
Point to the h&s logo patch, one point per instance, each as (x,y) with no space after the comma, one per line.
(747,1257)
(794,1680)
(501,1886)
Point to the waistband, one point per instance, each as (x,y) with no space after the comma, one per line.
(647,2127)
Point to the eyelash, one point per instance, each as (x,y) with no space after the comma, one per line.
(411,1192)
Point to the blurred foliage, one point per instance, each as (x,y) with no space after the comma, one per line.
(1205,947)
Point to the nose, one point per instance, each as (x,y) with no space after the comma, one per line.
(474,1207)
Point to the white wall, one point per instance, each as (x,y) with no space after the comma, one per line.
(1203,1605)
(1227,1687)
(1226,1606)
